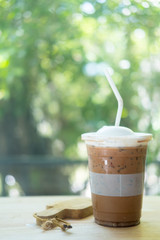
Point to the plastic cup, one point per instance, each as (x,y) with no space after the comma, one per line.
(116,169)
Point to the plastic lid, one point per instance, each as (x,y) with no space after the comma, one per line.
(114,136)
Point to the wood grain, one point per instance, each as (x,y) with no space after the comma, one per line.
(17,222)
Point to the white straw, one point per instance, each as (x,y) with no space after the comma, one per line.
(118,97)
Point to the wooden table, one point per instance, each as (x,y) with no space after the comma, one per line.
(16,222)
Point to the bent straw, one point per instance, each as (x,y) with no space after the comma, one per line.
(118,97)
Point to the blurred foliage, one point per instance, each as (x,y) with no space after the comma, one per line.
(52,87)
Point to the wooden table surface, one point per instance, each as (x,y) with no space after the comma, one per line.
(17,222)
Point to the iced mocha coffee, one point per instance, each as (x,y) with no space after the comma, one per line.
(116,160)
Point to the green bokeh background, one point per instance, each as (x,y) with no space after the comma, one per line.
(52,86)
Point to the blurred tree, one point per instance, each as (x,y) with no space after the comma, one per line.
(52,87)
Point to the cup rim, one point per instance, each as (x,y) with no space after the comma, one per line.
(139,137)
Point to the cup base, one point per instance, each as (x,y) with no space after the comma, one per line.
(117,224)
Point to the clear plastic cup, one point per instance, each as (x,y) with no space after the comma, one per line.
(116,169)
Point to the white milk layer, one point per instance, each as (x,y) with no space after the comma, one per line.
(116,185)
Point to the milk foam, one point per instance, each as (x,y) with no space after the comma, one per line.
(109,131)
(114,136)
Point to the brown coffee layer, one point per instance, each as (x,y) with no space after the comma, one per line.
(117,209)
(126,160)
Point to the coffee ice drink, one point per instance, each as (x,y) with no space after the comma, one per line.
(116,159)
